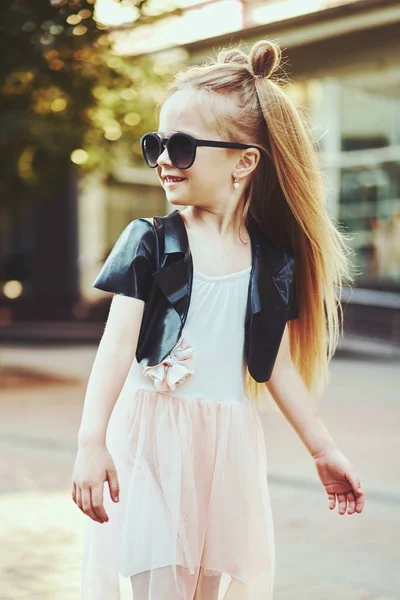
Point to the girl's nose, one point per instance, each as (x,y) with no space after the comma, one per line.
(164,159)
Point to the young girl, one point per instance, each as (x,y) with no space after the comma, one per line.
(251,283)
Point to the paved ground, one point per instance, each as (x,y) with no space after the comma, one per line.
(321,555)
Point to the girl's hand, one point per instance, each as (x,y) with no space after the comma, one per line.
(93,466)
(339,479)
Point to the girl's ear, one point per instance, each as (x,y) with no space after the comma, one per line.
(247,162)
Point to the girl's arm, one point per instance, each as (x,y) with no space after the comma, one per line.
(114,357)
(94,464)
(291,395)
(336,473)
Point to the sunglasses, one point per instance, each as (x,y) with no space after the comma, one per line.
(181,148)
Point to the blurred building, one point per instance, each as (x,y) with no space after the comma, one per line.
(343,61)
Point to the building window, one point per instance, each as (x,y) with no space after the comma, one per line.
(370,210)
(369,201)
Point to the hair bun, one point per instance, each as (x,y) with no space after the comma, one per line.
(233,55)
(264,58)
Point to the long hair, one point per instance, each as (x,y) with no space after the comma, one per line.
(236,95)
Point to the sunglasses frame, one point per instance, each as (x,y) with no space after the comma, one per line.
(195,142)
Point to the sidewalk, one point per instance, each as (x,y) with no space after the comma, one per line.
(320,555)
(348,416)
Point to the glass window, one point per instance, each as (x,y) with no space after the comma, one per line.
(369,119)
(369,162)
(370,210)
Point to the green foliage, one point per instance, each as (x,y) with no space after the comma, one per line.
(63,89)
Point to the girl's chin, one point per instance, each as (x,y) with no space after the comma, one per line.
(174,192)
(179,202)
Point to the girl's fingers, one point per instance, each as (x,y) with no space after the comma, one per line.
(74,492)
(355,497)
(352,503)
(360,501)
(358,491)
(78,497)
(355,483)
(331,501)
(97,504)
(113,484)
(342,503)
(87,504)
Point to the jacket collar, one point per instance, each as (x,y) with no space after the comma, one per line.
(270,276)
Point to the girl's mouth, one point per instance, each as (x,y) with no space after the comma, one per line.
(173,181)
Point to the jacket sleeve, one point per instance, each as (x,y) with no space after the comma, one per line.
(294,309)
(128,269)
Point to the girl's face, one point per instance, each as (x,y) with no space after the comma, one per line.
(208,182)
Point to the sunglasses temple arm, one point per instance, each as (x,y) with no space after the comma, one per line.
(218,144)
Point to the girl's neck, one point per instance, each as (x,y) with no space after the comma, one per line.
(214,225)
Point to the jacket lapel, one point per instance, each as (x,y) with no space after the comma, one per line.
(272,273)
(175,275)
(268,303)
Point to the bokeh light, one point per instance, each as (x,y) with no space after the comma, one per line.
(56,29)
(85,13)
(79,156)
(58,105)
(74,19)
(112,133)
(115,13)
(47,24)
(132,119)
(12,289)
(128,94)
(46,39)
(28,26)
(56,65)
(79,30)
(114,62)
(98,91)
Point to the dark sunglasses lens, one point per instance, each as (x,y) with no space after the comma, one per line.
(181,151)
(150,149)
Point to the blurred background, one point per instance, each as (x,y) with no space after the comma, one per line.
(80,82)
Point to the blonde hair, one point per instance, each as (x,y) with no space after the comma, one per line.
(285,196)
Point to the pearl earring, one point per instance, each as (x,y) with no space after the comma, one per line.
(236,182)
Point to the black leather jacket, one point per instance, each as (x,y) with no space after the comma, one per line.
(154,263)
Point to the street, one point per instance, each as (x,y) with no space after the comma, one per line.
(321,555)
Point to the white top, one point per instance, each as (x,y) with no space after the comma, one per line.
(210,359)
(191,464)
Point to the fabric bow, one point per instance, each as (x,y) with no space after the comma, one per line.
(175,368)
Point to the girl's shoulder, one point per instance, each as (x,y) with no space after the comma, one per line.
(149,219)
(131,262)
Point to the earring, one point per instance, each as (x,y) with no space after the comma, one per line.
(236,182)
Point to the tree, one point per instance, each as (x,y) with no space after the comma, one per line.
(64,92)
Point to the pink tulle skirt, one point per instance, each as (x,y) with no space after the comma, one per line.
(194,519)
